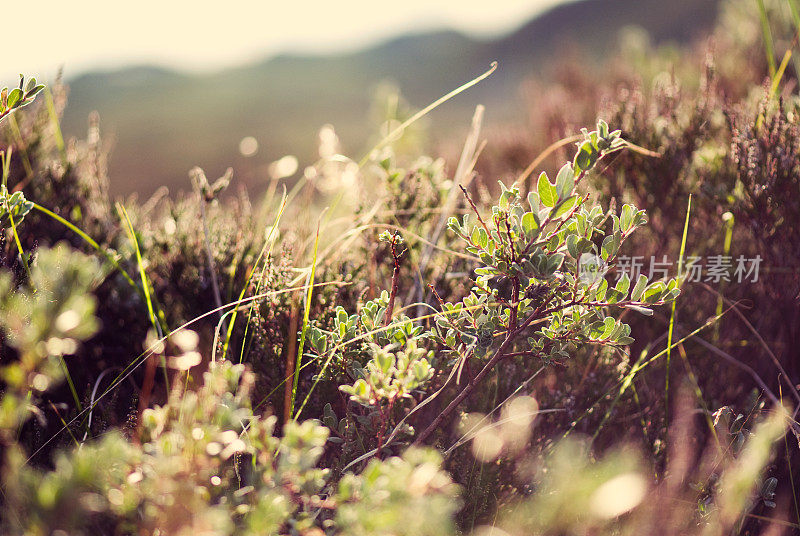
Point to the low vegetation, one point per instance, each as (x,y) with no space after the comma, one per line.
(452,346)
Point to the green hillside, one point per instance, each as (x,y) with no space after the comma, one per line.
(164,122)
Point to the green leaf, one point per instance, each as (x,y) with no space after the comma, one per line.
(653,293)
(638,290)
(385,361)
(529,223)
(595,329)
(623,285)
(602,128)
(533,201)
(14,97)
(565,206)
(610,245)
(547,192)
(360,387)
(613,296)
(504,201)
(554,262)
(607,249)
(422,370)
(608,327)
(627,217)
(565,181)
(329,417)
(601,290)
(572,246)
(483,237)
(643,310)
(454,225)
(585,157)
(475,237)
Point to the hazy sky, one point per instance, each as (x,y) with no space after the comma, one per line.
(83,34)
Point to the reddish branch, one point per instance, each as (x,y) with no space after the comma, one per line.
(511,335)
(395,281)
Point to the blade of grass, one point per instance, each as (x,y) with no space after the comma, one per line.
(795,12)
(729,221)
(642,421)
(51,112)
(70,383)
(399,130)
(131,233)
(306,313)
(64,423)
(156,319)
(90,241)
(291,358)
(672,311)
(265,253)
(769,48)
(544,154)
(776,80)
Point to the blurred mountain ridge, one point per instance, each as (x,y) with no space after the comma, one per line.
(163,122)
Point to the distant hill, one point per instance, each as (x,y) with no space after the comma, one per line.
(164,122)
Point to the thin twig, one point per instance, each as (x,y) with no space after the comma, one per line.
(395,280)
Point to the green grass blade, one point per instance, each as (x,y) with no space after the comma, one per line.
(304,329)
(155,315)
(672,311)
(625,383)
(265,253)
(776,80)
(53,115)
(89,240)
(142,274)
(71,384)
(422,113)
(769,48)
